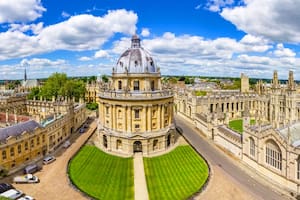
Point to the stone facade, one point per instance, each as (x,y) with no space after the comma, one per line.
(46,126)
(271,145)
(135,111)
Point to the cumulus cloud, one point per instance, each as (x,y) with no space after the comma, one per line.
(20,11)
(272,19)
(217,5)
(195,55)
(34,28)
(101,54)
(145,32)
(81,32)
(281,51)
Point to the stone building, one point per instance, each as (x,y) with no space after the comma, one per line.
(135,111)
(271,146)
(37,128)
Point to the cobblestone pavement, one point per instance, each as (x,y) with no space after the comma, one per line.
(54,183)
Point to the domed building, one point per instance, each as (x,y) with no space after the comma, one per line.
(135,112)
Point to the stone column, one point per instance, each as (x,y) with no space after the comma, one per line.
(124,118)
(163,116)
(158,116)
(149,119)
(129,122)
(145,118)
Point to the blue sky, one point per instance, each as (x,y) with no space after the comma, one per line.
(194,37)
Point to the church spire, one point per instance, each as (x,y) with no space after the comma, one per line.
(25,74)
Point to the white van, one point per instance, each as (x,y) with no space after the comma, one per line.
(12,194)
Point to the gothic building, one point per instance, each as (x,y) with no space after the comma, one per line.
(135,111)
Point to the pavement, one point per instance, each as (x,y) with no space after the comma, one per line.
(228,180)
(54,181)
(140,185)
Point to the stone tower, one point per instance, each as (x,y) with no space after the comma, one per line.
(244,83)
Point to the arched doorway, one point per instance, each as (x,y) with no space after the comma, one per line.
(137,146)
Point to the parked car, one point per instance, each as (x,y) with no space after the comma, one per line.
(48,160)
(26,197)
(81,130)
(30,169)
(28,178)
(12,194)
(5,186)
(67,144)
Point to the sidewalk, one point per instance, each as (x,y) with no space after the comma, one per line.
(140,185)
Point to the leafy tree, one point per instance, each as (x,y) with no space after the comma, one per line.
(59,85)
(104,78)
(92,79)
(92,106)
(34,93)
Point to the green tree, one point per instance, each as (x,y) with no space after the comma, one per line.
(104,78)
(92,79)
(34,93)
(59,85)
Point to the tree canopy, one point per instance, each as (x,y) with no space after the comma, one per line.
(57,85)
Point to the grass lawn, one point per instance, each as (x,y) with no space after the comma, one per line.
(102,176)
(237,125)
(176,175)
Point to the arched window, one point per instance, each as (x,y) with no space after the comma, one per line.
(12,151)
(120,85)
(273,155)
(152,85)
(105,141)
(298,168)
(19,148)
(3,155)
(252,147)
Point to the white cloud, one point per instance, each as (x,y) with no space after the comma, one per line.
(81,32)
(217,5)
(85,58)
(101,54)
(64,14)
(281,51)
(35,28)
(145,32)
(198,7)
(272,19)
(20,10)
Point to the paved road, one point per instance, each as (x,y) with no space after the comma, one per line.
(217,159)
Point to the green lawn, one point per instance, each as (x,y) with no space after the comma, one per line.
(176,175)
(237,125)
(102,176)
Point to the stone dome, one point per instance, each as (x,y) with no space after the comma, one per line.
(135,59)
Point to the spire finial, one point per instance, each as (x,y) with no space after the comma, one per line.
(135,41)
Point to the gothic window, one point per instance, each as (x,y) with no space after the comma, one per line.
(273,155)
(120,85)
(26,145)
(136,85)
(252,147)
(3,155)
(19,148)
(12,151)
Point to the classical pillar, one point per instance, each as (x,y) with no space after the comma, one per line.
(129,122)
(158,116)
(145,118)
(149,128)
(124,118)
(163,116)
